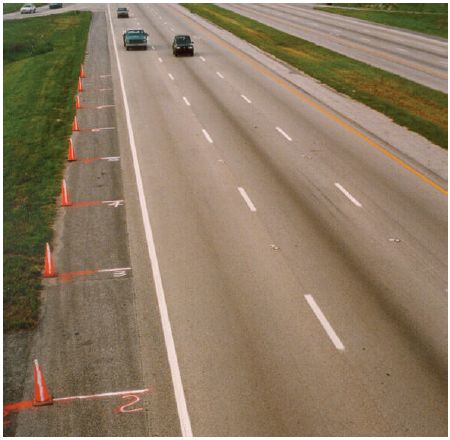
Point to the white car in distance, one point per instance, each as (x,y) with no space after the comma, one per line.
(28,8)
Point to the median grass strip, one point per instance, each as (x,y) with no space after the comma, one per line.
(41,59)
(411,105)
(427,18)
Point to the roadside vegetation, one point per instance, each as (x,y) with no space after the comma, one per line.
(14,7)
(411,105)
(427,18)
(41,62)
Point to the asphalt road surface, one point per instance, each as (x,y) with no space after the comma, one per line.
(420,58)
(304,271)
(262,207)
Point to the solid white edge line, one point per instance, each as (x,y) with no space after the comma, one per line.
(183,414)
(207,136)
(245,196)
(283,133)
(348,195)
(186,101)
(325,324)
(246,99)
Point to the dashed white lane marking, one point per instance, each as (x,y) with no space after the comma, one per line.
(186,101)
(207,136)
(105,76)
(348,195)
(160,59)
(203,59)
(171,76)
(400,49)
(366,40)
(172,29)
(246,99)
(325,324)
(183,414)
(153,47)
(284,133)
(220,75)
(245,196)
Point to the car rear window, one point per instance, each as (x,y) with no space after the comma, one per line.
(183,39)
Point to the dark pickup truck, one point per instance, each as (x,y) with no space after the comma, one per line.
(135,38)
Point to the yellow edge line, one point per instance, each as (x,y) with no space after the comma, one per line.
(324,111)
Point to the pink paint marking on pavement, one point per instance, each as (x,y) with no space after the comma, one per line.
(111,203)
(81,204)
(89,160)
(66,277)
(27,404)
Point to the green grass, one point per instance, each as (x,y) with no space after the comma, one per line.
(42,57)
(14,7)
(427,18)
(416,107)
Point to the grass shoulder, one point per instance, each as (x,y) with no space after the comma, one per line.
(426,18)
(419,108)
(42,57)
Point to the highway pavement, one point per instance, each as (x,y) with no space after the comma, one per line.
(418,57)
(304,271)
(300,269)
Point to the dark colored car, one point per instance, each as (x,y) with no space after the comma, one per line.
(55,5)
(122,13)
(182,44)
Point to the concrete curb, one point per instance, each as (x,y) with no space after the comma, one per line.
(411,147)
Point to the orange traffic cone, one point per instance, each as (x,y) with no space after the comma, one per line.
(75,124)
(64,196)
(77,102)
(80,85)
(71,155)
(49,267)
(82,75)
(41,394)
